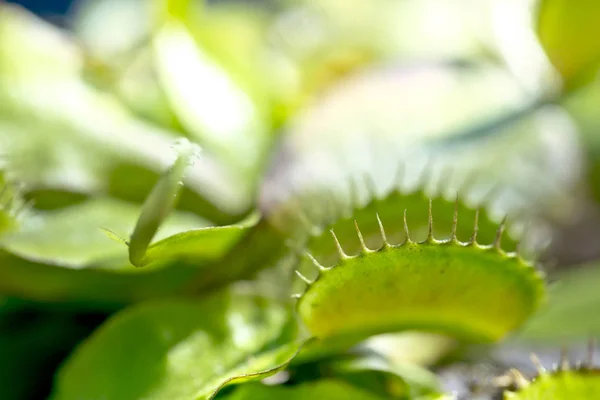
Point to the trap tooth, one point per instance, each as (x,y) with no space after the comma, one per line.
(406,231)
(382,231)
(338,246)
(363,246)
(320,267)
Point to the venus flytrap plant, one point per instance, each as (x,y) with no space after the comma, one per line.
(564,381)
(449,286)
(393,288)
(445,244)
(439,285)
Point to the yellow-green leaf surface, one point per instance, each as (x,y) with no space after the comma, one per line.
(446,286)
(580,383)
(568,31)
(329,389)
(195,244)
(180,349)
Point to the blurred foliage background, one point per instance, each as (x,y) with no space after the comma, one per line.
(93,93)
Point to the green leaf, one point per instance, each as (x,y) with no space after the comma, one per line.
(159,203)
(177,8)
(583,108)
(181,349)
(64,256)
(261,246)
(573,299)
(58,55)
(72,236)
(120,35)
(568,32)
(91,288)
(196,244)
(219,115)
(329,389)
(233,34)
(51,118)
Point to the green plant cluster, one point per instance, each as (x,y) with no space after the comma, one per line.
(318,199)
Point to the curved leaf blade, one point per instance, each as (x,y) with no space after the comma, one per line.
(160,202)
(196,244)
(181,349)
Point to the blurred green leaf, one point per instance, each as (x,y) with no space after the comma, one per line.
(583,106)
(30,49)
(382,376)
(181,349)
(216,112)
(572,310)
(118,56)
(64,256)
(568,31)
(178,8)
(91,288)
(124,26)
(261,246)
(235,35)
(329,389)
(72,237)
(60,133)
